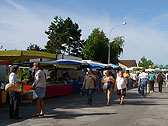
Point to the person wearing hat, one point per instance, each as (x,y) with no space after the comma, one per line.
(14,96)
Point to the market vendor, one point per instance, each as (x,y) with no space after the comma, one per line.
(66,75)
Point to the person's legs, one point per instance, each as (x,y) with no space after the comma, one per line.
(142,89)
(11,107)
(160,87)
(42,106)
(89,95)
(16,105)
(153,86)
(109,95)
(150,85)
(37,106)
(145,89)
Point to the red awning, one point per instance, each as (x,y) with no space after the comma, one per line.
(5,62)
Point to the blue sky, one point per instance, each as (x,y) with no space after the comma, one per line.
(145,34)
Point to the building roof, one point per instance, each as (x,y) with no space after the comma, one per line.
(128,63)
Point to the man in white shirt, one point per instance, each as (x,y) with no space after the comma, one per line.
(143,79)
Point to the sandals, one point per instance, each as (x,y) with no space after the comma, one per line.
(36,115)
(41,114)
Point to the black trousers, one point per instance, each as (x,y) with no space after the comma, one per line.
(14,104)
(151,83)
(160,86)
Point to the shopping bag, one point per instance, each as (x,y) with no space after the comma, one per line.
(13,87)
(34,94)
(166,84)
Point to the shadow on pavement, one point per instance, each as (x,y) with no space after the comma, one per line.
(59,107)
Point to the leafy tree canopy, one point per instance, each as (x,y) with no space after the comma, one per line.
(116,48)
(64,37)
(145,62)
(96,47)
(34,47)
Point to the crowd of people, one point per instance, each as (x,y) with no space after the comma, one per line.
(120,82)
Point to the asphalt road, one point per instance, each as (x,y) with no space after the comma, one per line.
(72,110)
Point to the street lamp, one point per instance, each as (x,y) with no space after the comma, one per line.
(124,23)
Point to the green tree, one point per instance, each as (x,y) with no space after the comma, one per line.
(96,47)
(64,37)
(34,47)
(116,48)
(145,62)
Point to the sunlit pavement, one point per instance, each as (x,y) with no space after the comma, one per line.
(73,111)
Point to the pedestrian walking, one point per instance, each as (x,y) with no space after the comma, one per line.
(151,81)
(88,85)
(133,77)
(143,79)
(160,81)
(126,78)
(14,96)
(40,86)
(121,87)
(107,82)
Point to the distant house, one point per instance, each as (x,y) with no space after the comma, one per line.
(127,63)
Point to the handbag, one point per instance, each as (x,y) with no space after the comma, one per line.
(95,83)
(15,87)
(109,83)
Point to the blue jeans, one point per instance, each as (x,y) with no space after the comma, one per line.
(144,88)
(89,95)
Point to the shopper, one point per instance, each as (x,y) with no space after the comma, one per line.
(151,81)
(143,79)
(121,87)
(14,96)
(40,86)
(107,90)
(88,85)
(160,81)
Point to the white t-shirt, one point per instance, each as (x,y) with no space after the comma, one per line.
(143,75)
(13,78)
(133,76)
(120,83)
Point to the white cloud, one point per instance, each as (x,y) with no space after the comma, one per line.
(19,27)
(16,5)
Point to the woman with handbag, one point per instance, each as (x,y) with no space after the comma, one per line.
(88,84)
(40,86)
(14,96)
(107,82)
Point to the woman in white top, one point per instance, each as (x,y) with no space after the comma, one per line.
(40,87)
(107,89)
(121,87)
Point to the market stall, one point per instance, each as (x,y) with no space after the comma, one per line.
(64,77)
(7,57)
